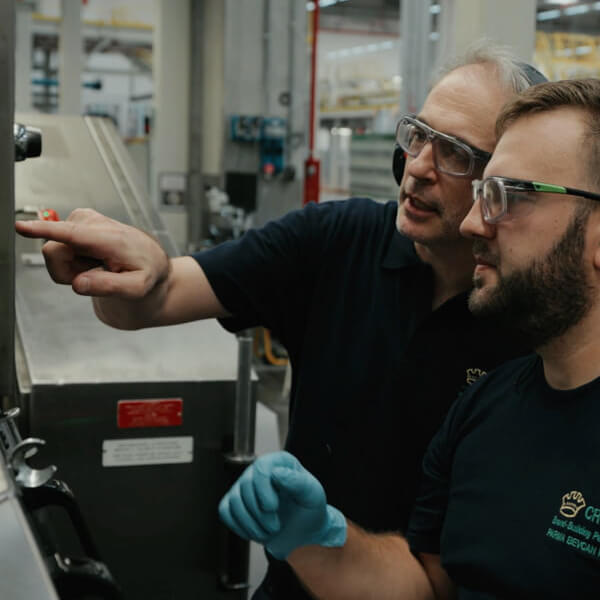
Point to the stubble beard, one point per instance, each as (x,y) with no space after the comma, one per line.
(541,302)
(438,232)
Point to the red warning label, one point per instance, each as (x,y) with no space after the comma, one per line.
(154,412)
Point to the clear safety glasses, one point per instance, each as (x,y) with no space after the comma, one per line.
(450,155)
(500,196)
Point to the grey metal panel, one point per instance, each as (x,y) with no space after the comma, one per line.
(64,343)
(156,526)
(7,235)
(23,575)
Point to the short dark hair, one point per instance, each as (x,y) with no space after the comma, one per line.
(583,94)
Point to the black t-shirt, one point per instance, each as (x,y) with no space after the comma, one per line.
(511,494)
(374,370)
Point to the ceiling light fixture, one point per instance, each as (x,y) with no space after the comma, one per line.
(547,15)
(580,9)
(354,50)
(310,6)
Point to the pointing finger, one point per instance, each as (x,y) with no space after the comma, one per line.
(92,241)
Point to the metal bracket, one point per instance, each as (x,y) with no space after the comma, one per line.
(26,475)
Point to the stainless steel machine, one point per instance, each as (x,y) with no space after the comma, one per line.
(34,562)
(37,559)
(138,423)
(23,572)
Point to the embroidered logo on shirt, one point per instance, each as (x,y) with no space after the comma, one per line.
(473,375)
(572,503)
(579,528)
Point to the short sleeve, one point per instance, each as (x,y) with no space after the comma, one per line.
(260,276)
(269,276)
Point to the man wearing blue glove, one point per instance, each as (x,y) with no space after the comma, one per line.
(510,500)
(280,504)
(369,299)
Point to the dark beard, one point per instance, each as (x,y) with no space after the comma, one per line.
(543,301)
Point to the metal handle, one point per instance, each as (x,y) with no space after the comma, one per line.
(79,578)
(57,493)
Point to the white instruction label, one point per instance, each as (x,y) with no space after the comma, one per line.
(147,451)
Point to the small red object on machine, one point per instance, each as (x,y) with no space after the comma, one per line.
(48,214)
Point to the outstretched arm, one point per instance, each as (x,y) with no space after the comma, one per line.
(130,278)
(280,504)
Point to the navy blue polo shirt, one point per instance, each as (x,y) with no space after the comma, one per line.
(511,494)
(374,369)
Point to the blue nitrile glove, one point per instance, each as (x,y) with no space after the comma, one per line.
(279,504)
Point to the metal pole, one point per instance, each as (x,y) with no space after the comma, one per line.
(235,552)
(266,58)
(69,51)
(245,408)
(290,79)
(312,165)
(415,27)
(7,204)
(23,57)
(313,80)
(196,202)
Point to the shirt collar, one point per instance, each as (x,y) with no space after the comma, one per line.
(400,253)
